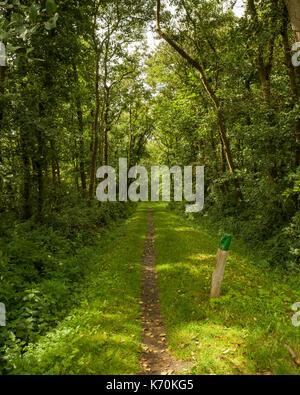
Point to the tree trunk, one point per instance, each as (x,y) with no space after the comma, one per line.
(2,80)
(130,139)
(102,142)
(26,189)
(54,169)
(224,186)
(81,131)
(39,164)
(106,128)
(294,12)
(95,130)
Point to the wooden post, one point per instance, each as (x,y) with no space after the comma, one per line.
(218,274)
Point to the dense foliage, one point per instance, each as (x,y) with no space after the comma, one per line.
(236,111)
(82,89)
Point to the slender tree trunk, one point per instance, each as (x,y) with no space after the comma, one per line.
(106,121)
(39,164)
(40,178)
(76,178)
(294,12)
(2,80)
(95,129)
(81,132)
(58,171)
(224,186)
(102,141)
(106,147)
(53,169)
(214,149)
(106,129)
(130,139)
(26,188)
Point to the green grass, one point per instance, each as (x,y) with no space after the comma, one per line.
(245,330)
(102,335)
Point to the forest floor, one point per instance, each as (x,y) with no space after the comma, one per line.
(166,323)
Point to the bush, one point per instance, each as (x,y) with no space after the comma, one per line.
(42,266)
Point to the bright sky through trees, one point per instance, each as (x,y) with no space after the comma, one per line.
(238,9)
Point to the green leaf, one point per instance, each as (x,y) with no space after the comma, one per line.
(51,6)
(33,13)
(12,49)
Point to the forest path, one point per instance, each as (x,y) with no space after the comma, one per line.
(156,358)
(243,331)
(116,325)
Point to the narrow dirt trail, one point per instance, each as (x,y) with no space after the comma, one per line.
(156,359)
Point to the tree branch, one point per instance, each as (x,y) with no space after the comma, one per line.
(187,57)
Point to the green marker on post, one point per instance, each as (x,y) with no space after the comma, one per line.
(218,274)
(225,242)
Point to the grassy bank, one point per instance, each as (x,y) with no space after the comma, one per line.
(244,331)
(101,335)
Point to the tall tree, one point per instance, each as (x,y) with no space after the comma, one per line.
(211,93)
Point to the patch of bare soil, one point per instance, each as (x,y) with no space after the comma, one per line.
(156,359)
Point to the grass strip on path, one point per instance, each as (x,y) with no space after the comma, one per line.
(244,331)
(103,334)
